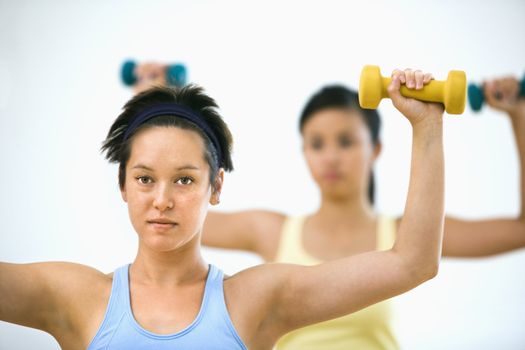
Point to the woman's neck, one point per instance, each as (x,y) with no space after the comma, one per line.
(355,211)
(184,265)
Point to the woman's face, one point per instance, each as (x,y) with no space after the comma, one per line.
(339,152)
(167,187)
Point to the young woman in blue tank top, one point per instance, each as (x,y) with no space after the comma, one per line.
(173,148)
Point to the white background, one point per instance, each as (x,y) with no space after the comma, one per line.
(60,91)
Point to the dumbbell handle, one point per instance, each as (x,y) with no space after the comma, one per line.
(434,91)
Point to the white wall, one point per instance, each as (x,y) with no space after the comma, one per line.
(59,92)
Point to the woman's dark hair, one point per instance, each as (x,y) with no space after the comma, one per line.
(338,96)
(118,148)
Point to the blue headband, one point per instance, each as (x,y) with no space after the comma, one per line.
(177,110)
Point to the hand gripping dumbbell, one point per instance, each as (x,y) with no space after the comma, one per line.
(176,74)
(476,97)
(451,92)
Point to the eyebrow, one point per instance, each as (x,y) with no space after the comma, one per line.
(184,167)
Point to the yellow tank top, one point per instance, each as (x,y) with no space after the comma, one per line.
(367,329)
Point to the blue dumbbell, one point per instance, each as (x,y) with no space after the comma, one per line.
(476,97)
(176,74)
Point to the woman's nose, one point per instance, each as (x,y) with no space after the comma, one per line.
(331,155)
(163,199)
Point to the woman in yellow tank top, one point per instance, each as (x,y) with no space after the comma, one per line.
(369,328)
(341,143)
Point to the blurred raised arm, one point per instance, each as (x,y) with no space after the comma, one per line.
(488,237)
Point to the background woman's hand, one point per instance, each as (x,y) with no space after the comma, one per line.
(503,94)
(148,75)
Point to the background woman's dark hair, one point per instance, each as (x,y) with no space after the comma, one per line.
(339,96)
(118,150)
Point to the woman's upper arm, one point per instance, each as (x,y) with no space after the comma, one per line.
(257,231)
(312,294)
(480,238)
(26,294)
(42,295)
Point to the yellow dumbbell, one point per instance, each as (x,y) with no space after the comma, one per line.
(452,92)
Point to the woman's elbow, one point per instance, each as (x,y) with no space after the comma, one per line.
(417,271)
(426,271)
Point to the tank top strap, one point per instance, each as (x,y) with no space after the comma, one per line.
(115,309)
(217,315)
(213,288)
(119,298)
(386,232)
(121,276)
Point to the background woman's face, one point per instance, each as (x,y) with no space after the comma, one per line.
(339,151)
(167,186)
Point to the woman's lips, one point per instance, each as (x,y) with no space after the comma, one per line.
(332,176)
(162,224)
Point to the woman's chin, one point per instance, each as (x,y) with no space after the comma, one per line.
(164,244)
(337,191)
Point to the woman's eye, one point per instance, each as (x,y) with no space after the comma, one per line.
(345,142)
(185,180)
(317,145)
(144,180)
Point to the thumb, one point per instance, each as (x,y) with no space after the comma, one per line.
(491,94)
(398,100)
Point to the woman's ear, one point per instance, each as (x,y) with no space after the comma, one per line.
(377,150)
(123,193)
(122,184)
(217,188)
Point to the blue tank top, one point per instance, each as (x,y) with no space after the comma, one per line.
(212,329)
